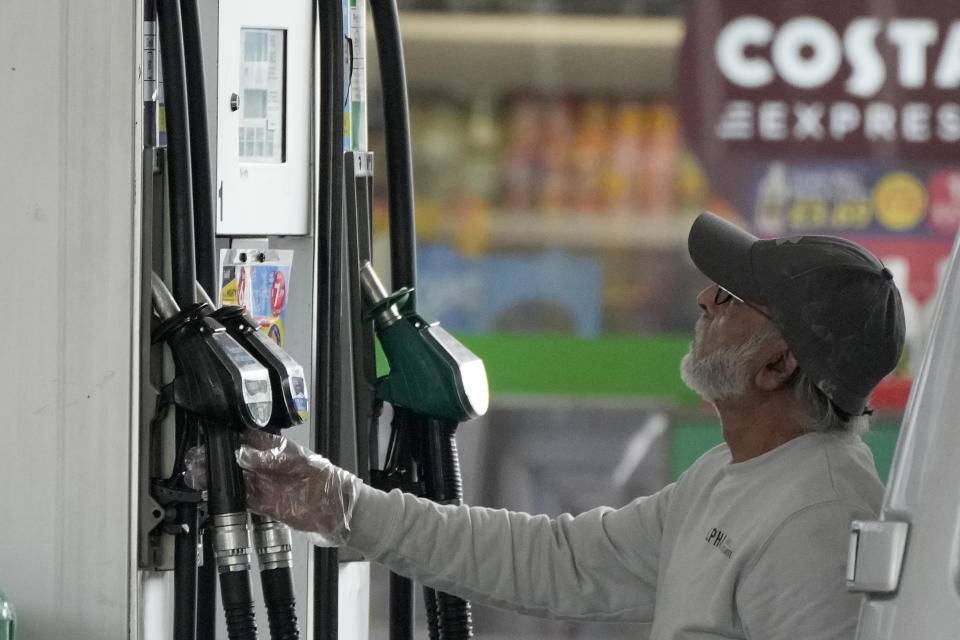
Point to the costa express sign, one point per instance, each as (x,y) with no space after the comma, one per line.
(841,116)
(823,78)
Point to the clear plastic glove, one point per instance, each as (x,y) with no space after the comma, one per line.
(290,483)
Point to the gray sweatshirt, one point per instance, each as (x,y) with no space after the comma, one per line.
(755,550)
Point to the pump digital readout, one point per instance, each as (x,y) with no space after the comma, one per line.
(262,130)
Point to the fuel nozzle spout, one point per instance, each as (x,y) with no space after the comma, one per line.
(381,306)
(431,372)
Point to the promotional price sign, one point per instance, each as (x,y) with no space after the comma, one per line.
(257,279)
(842,118)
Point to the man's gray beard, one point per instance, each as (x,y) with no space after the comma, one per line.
(724,374)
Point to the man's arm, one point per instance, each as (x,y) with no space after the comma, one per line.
(600,565)
(797,586)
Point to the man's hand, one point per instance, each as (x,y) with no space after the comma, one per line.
(294,485)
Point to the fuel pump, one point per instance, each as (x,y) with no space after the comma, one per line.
(220,355)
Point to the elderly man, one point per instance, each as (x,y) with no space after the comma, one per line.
(750,542)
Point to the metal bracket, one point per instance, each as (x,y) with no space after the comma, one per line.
(875,555)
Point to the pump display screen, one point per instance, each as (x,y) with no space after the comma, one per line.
(262,134)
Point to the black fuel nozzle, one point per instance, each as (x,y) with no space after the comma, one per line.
(288,384)
(431,372)
(271,539)
(218,379)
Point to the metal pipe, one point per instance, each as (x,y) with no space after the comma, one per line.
(163,300)
(203,296)
(374,293)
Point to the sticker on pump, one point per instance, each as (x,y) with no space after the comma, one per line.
(257,279)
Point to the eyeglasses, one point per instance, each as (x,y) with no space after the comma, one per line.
(723,296)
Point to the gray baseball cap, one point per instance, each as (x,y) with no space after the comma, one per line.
(834,302)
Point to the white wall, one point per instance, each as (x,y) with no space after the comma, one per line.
(69,215)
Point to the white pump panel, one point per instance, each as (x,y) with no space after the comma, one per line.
(263,118)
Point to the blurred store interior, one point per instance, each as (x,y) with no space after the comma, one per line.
(554,192)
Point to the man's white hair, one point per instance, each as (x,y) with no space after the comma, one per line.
(819,414)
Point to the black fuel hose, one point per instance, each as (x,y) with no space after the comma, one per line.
(185,564)
(328,294)
(403,251)
(238,605)
(178,152)
(231,542)
(203,203)
(401,607)
(274,546)
(184,275)
(393,81)
(205,248)
(228,495)
(449,617)
(281,604)
(226,502)
(207,590)
(272,540)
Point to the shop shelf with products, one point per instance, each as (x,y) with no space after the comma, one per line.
(541,132)
(472,73)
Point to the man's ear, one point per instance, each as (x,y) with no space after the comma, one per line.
(777,370)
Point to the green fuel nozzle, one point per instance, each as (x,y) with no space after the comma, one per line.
(431,372)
